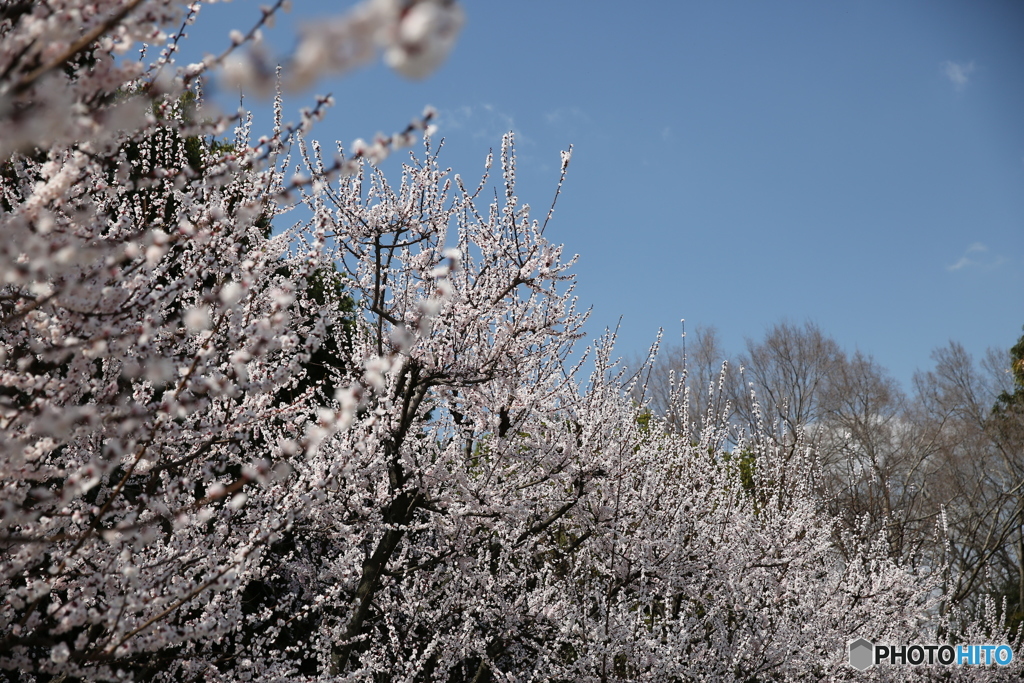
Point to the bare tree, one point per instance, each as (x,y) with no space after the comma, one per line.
(784,378)
(982,474)
(876,464)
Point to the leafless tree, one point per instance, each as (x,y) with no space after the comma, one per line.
(982,465)
(876,459)
(783,380)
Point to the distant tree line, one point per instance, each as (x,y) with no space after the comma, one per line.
(938,470)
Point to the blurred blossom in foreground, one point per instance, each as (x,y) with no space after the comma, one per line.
(415,35)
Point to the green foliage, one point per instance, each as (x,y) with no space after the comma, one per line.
(743,466)
(644,421)
(1007,417)
(1008,402)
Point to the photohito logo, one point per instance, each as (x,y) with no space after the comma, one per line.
(864,654)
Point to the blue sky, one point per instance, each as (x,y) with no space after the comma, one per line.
(859,164)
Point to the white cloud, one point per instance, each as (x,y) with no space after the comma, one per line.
(976,256)
(482,122)
(962,263)
(958,74)
(566,116)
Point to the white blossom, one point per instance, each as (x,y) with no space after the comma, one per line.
(60,653)
(197,319)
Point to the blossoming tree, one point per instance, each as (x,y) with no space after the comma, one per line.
(356,448)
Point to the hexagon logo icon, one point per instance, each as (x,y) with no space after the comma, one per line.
(860,653)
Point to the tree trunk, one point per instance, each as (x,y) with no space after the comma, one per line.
(399,514)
